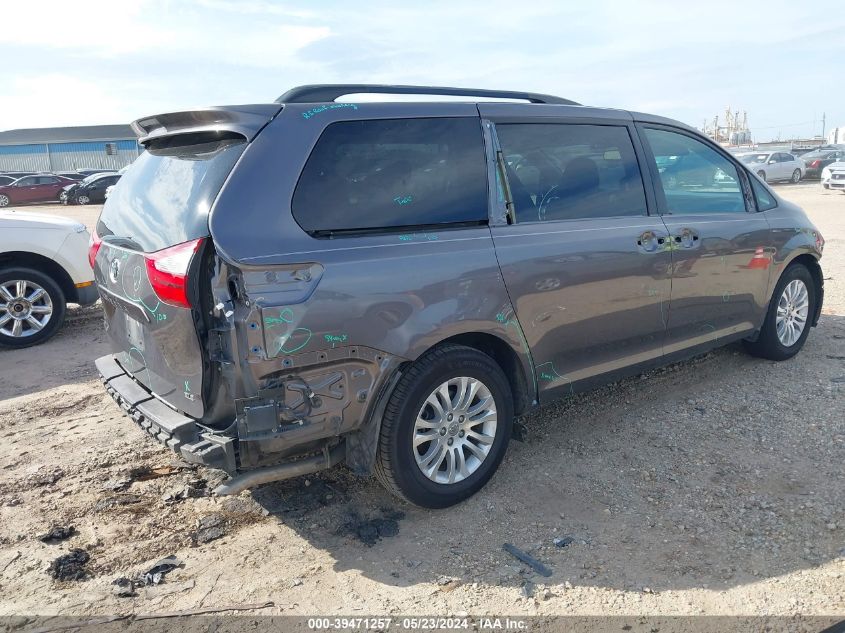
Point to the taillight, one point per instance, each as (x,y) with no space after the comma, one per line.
(94,243)
(814,163)
(167,271)
(819,242)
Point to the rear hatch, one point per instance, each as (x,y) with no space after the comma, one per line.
(151,248)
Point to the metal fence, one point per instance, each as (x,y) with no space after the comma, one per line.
(68,156)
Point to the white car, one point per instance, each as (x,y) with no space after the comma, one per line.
(43,266)
(772,166)
(833,176)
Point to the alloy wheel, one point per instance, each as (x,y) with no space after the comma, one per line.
(25,308)
(454,430)
(793,308)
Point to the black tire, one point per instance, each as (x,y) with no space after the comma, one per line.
(768,345)
(762,175)
(57,298)
(796,176)
(396,467)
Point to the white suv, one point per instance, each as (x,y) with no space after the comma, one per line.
(43,266)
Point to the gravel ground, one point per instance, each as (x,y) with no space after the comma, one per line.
(714,486)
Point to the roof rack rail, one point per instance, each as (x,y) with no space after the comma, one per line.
(319,93)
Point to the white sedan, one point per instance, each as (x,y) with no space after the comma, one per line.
(43,266)
(833,176)
(772,166)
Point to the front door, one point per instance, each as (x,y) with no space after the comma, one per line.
(720,246)
(585,265)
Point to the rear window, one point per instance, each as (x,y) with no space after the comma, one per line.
(164,199)
(393,173)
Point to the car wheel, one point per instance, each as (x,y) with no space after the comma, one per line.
(762,175)
(826,186)
(446,427)
(4,200)
(787,322)
(32,307)
(796,175)
(83,199)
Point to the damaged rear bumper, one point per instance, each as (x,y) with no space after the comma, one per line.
(176,431)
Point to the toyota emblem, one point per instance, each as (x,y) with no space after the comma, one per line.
(114,270)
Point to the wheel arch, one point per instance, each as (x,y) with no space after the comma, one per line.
(361,445)
(811,262)
(26,259)
(506,358)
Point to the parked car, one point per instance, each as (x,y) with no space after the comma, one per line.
(90,190)
(43,266)
(415,275)
(72,175)
(816,161)
(91,172)
(32,189)
(827,172)
(19,174)
(774,166)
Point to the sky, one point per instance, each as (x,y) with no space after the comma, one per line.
(91,62)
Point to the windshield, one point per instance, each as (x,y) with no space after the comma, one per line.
(754,158)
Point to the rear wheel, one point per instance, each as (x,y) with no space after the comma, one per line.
(445,428)
(787,323)
(796,175)
(32,307)
(4,200)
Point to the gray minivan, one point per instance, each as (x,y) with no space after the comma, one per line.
(293,285)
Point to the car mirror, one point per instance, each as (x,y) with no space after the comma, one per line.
(772,162)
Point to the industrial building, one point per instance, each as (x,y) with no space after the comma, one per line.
(68,148)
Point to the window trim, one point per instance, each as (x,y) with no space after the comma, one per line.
(639,155)
(333,234)
(749,200)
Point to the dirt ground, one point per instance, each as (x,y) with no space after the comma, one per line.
(714,486)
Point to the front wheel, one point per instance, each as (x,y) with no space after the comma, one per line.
(787,322)
(796,175)
(83,199)
(32,307)
(4,200)
(445,428)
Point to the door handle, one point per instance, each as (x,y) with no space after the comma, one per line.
(650,241)
(687,238)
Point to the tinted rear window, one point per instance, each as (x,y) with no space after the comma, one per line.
(393,173)
(164,198)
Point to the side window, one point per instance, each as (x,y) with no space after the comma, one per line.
(47,180)
(765,200)
(694,176)
(28,181)
(394,173)
(559,171)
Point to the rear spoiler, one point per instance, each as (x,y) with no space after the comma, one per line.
(245,120)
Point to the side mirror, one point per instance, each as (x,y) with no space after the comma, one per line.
(772,162)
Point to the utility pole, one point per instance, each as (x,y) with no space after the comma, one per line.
(823,122)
